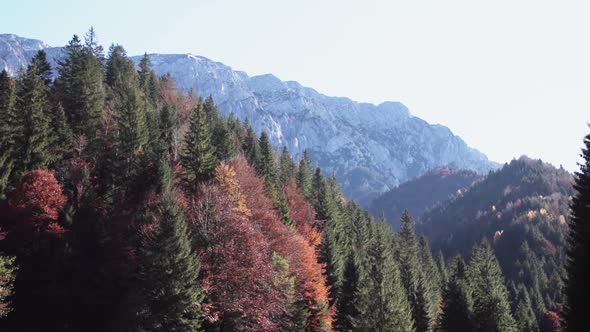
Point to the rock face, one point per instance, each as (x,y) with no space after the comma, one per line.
(370,148)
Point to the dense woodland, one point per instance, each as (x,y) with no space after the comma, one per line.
(129,205)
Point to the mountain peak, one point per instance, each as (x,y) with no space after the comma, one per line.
(370,148)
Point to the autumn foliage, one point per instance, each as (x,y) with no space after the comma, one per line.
(39,196)
(287,242)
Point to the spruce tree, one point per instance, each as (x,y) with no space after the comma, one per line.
(126,97)
(491,308)
(33,140)
(167,288)
(80,85)
(266,166)
(524,314)
(457,304)
(304,175)
(577,267)
(198,154)
(286,167)
(8,130)
(347,313)
(383,304)
(413,278)
(251,146)
(43,68)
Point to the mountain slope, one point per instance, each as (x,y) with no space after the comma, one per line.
(370,148)
(422,193)
(522,208)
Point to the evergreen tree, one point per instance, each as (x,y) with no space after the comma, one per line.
(168,297)
(456,301)
(524,315)
(491,309)
(43,68)
(382,300)
(62,134)
(148,82)
(304,175)
(347,313)
(8,130)
(34,137)
(442,269)
(577,267)
(414,279)
(286,167)
(130,116)
(251,146)
(198,155)
(80,85)
(266,166)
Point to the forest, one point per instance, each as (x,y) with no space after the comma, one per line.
(127,204)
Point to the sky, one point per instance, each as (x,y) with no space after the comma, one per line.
(510,77)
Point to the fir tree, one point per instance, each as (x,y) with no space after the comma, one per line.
(456,308)
(34,137)
(169,298)
(266,166)
(43,68)
(8,130)
(347,313)
(577,267)
(491,308)
(382,300)
(304,175)
(413,278)
(80,85)
(251,146)
(286,167)
(524,315)
(198,155)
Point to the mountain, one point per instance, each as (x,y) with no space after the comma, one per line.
(370,148)
(522,209)
(422,193)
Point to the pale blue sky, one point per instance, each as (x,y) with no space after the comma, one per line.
(510,77)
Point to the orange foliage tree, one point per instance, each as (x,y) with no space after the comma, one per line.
(299,251)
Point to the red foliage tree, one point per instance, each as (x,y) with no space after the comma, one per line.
(38,199)
(302,213)
(310,282)
(237,274)
(551,322)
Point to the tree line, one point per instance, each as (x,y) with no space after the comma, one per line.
(129,205)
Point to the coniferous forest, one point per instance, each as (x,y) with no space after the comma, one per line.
(127,204)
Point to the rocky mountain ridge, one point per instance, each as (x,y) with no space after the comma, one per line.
(370,148)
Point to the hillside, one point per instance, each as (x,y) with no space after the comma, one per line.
(522,209)
(422,193)
(370,148)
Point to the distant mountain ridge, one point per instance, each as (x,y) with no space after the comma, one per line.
(370,148)
(422,193)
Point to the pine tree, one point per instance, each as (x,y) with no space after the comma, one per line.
(8,130)
(491,308)
(577,291)
(456,301)
(62,134)
(34,138)
(8,271)
(198,155)
(169,298)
